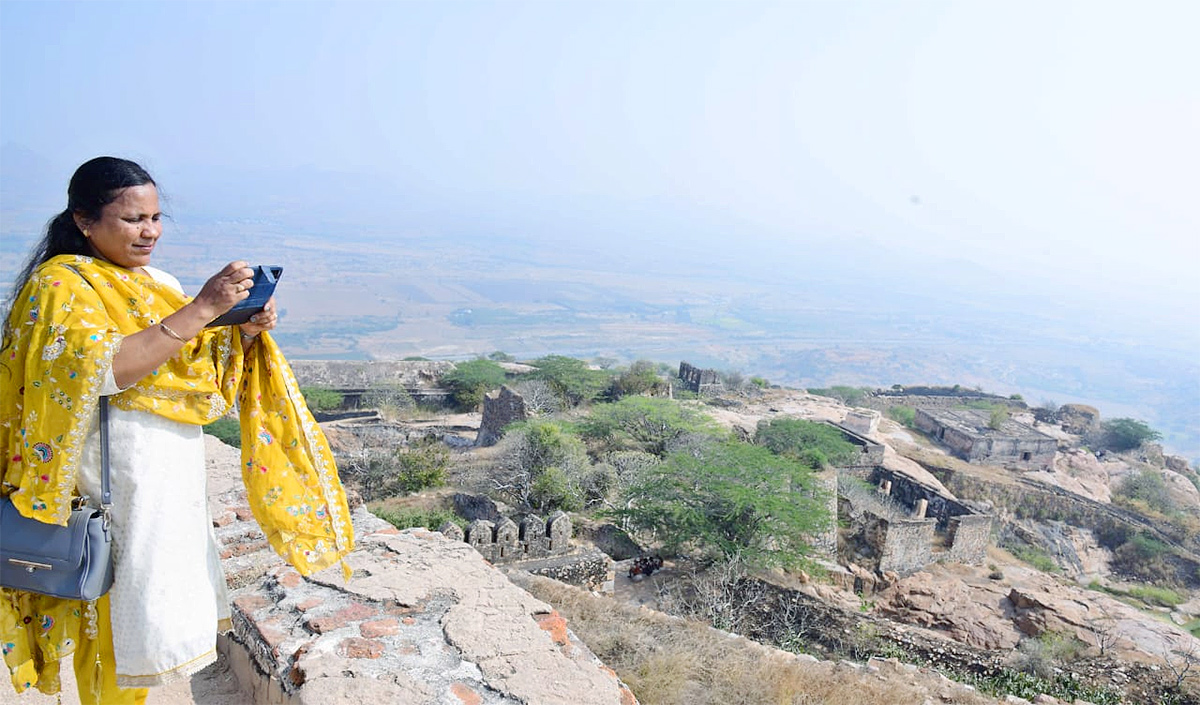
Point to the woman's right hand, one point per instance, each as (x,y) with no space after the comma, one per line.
(225,288)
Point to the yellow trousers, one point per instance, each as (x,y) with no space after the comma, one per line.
(96,667)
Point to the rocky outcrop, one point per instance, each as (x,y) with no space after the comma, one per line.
(997,614)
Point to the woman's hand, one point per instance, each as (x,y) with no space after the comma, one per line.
(227,287)
(265,319)
(142,352)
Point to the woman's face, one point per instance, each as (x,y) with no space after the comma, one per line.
(128,227)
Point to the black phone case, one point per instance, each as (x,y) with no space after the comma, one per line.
(265,278)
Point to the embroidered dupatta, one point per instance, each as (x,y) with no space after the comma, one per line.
(65,327)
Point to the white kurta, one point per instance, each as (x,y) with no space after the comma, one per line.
(168,593)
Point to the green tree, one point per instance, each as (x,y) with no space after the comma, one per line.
(1126,434)
(649,424)
(421,465)
(639,378)
(470,380)
(732,499)
(814,444)
(322,398)
(997,417)
(904,415)
(227,430)
(540,466)
(571,379)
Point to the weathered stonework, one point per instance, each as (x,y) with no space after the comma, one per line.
(967,434)
(500,408)
(422,619)
(698,380)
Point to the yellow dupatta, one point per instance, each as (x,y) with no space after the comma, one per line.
(66,325)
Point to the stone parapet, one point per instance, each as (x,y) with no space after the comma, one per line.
(422,619)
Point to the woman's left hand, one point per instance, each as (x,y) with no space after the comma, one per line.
(261,321)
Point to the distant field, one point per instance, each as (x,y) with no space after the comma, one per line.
(351,297)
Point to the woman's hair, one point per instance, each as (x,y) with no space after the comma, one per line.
(95,184)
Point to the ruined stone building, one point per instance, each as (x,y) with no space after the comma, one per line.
(698,380)
(967,434)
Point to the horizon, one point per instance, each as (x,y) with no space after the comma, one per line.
(1020,160)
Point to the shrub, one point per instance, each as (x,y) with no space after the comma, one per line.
(641,377)
(1154,595)
(322,398)
(814,444)
(904,415)
(389,399)
(650,424)
(1035,557)
(227,430)
(1145,558)
(470,380)
(1146,490)
(1126,434)
(728,499)
(407,518)
(421,465)
(571,379)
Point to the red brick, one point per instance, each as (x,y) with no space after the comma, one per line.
(388,530)
(308,604)
(290,579)
(380,627)
(274,631)
(327,623)
(555,625)
(241,549)
(357,647)
(243,513)
(409,621)
(225,519)
(466,694)
(249,604)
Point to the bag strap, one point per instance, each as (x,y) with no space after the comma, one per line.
(105,489)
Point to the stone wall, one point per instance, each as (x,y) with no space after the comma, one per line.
(698,380)
(870,453)
(422,619)
(907,545)
(967,539)
(353,378)
(882,401)
(506,540)
(500,408)
(967,433)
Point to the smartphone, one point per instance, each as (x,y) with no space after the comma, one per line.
(265,278)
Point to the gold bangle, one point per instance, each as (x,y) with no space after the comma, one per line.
(167,329)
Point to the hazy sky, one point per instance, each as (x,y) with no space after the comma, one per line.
(1045,138)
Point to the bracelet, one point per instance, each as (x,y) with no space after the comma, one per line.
(167,329)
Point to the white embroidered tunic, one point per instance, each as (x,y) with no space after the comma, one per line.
(169,592)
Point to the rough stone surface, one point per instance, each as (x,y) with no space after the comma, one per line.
(500,408)
(422,619)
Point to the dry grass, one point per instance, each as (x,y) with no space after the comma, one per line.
(669,661)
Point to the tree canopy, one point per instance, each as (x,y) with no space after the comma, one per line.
(571,379)
(814,444)
(1126,434)
(648,424)
(732,499)
(470,380)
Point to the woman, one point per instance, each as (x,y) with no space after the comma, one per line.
(90,317)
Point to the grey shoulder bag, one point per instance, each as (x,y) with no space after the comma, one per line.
(72,561)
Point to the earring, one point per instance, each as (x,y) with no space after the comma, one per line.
(85,233)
